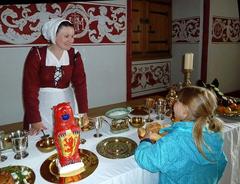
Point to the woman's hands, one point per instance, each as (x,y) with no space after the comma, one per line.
(36,128)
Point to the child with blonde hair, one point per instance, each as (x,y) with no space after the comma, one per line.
(192,150)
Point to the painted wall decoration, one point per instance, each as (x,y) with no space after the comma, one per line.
(186,30)
(150,77)
(225,29)
(94,23)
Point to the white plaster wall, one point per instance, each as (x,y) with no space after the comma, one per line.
(105,67)
(186,9)
(12,61)
(223,58)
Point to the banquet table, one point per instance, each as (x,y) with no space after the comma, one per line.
(126,171)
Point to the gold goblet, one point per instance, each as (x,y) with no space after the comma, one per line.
(80,120)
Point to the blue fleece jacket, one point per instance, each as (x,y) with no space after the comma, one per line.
(177,159)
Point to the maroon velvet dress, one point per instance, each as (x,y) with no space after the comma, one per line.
(38,77)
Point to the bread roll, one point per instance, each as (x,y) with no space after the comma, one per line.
(141,132)
(153,130)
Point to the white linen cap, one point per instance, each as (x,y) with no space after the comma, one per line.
(49,29)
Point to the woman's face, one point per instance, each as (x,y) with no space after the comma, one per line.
(65,37)
(180,110)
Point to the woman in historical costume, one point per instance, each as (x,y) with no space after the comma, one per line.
(52,74)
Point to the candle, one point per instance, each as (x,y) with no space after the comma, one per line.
(188,61)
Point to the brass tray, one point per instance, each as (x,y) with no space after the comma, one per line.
(46,145)
(116,147)
(49,170)
(22,172)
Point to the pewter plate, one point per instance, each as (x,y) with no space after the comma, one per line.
(49,169)
(116,147)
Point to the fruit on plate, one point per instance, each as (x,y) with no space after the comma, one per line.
(226,104)
(224,110)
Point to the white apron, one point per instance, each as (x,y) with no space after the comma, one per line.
(49,97)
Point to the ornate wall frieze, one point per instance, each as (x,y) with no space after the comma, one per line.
(150,77)
(94,23)
(186,30)
(225,29)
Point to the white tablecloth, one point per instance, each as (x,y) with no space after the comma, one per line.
(232,150)
(126,171)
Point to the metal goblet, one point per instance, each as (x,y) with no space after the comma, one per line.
(2,157)
(20,144)
(80,120)
(98,125)
(160,108)
(149,103)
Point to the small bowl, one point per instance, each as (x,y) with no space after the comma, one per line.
(46,145)
(137,122)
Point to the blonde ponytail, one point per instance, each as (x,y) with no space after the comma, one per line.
(202,104)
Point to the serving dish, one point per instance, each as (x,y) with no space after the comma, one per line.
(49,169)
(120,125)
(46,144)
(116,147)
(137,122)
(20,174)
(139,111)
(118,113)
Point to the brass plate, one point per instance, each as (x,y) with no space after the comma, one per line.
(46,145)
(49,170)
(116,147)
(22,172)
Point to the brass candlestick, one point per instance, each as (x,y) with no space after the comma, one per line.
(187,77)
